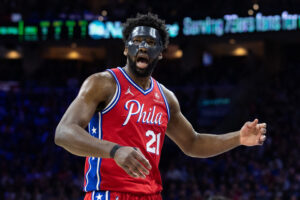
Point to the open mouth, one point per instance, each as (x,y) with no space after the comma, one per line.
(142,61)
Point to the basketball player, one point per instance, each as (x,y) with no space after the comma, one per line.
(128,113)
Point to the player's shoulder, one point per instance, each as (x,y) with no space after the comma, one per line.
(101,82)
(168,93)
(100,79)
(171,98)
(104,76)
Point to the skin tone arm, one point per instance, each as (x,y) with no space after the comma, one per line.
(208,145)
(72,136)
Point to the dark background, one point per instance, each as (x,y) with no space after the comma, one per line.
(216,97)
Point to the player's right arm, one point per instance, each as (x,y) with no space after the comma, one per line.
(70,132)
(72,136)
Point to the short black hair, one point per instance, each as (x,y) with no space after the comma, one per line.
(150,20)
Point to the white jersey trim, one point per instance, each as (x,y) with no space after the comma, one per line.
(136,85)
(165,99)
(87,174)
(116,96)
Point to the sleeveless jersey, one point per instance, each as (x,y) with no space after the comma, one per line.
(136,118)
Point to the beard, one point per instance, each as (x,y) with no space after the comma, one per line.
(141,72)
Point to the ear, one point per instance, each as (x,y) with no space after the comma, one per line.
(125,51)
(160,56)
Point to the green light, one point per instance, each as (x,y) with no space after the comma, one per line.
(215,102)
(31,33)
(3,30)
(45,23)
(8,30)
(44,29)
(57,29)
(83,26)
(31,30)
(57,23)
(70,24)
(21,27)
(12,31)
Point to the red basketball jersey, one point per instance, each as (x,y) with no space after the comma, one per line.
(136,118)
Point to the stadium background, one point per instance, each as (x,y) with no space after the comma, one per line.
(220,81)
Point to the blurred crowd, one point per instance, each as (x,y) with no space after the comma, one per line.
(32,167)
(264,173)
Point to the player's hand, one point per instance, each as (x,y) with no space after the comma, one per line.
(253,133)
(132,161)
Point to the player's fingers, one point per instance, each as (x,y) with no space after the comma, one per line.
(140,167)
(261,140)
(262,125)
(135,170)
(130,172)
(251,124)
(133,166)
(140,157)
(248,124)
(138,150)
(254,123)
(261,128)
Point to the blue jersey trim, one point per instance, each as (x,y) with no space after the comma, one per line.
(136,85)
(165,99)
(99,159)
(93,175)
(87,173)
(116,99)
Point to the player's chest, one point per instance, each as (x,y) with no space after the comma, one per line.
(142,110)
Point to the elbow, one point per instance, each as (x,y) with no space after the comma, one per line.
(195,154)
(187,147)
(59,138)
(192,150)
(189,151)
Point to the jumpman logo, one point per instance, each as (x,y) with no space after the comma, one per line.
(129,92)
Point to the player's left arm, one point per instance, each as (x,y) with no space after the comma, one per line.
(207,145)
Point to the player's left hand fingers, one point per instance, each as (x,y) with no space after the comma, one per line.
(262,125)
(263,131)
(251,125)
(254,123)
(261,140)
(261,128)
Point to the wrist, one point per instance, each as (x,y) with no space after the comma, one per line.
(239,137)
(113,151)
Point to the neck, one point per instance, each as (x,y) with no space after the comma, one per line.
(143,82)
